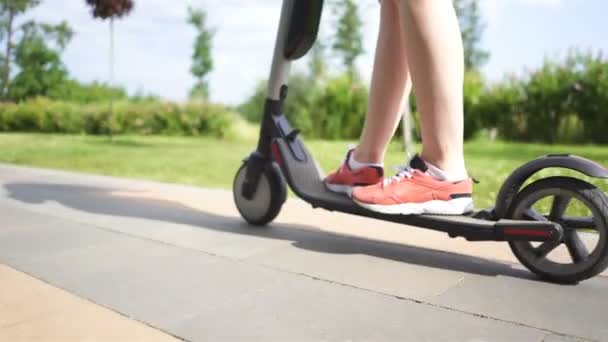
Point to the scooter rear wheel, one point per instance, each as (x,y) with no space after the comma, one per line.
(267,200)
(582,211)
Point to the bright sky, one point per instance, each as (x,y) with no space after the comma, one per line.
(154,44)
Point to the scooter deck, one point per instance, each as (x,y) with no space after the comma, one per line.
(304,176)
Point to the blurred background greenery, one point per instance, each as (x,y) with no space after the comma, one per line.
(562,101)
(558,107)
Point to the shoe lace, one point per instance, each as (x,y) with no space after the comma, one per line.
(404,172)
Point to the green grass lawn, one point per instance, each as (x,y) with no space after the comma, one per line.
(212,163)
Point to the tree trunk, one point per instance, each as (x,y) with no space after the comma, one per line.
(111,77)
(111,80)
(7,62)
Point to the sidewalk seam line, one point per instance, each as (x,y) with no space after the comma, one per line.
(422,302)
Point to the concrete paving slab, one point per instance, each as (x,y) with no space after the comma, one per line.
(395,265)
(27,235)
(205,297)
(216,204)
(172,222)
(560,338)
(574,310)
(326,312)
(31,310)
(398,270)
(160,220)
(180,257)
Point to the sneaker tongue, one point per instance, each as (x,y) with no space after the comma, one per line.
(417,163)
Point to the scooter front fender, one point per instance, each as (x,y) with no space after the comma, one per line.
(511,186)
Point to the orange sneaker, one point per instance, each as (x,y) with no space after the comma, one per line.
(345,179)
(413,191)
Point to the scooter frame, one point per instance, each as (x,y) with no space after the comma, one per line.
(281,144)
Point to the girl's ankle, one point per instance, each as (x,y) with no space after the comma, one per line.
(363,156)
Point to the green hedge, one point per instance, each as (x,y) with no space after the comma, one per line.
(329,109)
(44,115)
(563,101)
(74,91)
(334,108)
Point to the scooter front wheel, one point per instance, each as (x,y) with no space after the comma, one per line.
(582,211)
(267,200)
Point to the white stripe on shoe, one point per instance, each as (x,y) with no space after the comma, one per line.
(340,188)
(457,206)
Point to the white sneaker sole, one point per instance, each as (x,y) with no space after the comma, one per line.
(457,206)
(341,189)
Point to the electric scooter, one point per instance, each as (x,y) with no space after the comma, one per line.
(282,158)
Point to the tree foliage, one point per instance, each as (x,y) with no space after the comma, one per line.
(202,60)
(37,56)
(32,52)
(348,41)
(472,28)
(317,62)
(9,11)
(17,6)
(105,9)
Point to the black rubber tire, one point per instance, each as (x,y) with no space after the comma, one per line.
(595,200)
(269,201)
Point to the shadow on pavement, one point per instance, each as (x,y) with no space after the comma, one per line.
(102,201)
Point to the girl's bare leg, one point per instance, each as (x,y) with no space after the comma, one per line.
(434,49)
(390,85)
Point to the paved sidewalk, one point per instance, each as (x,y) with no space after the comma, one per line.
(180,259)
(31,310)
